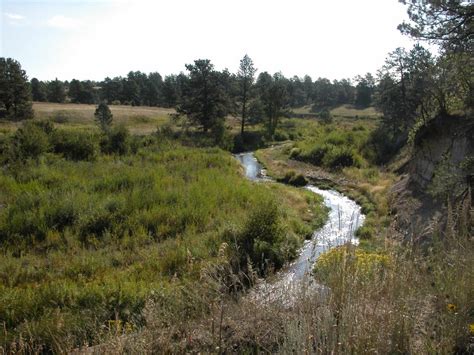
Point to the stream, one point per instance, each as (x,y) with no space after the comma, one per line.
(344,218)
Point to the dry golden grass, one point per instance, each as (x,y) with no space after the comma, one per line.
(343,111)
(138,119)
(414,303)
(349,111)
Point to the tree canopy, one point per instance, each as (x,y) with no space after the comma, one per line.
(204,99)
(15,95)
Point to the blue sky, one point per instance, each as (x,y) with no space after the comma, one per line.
(94,39)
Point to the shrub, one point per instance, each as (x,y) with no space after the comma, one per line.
(46,126)
(280,136)
(383,144)
(294,179)
(295,153)
(347,260)
(260,238)
(325,116)
(340,157)
(30,141)
(165,131)
(75,145)
(117,141)
(365,232)
(317,154)
(62,116)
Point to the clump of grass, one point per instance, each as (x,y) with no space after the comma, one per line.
(292,178)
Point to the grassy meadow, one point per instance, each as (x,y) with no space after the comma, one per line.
(90,236)
(144,242)
(138,119)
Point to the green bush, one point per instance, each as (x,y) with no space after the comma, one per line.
(317,154)
(295,153)
(294,179)
(30,141)
(63,116)
(340,157)
(326,116)
(75,145)
(260,239)
(117,141)
(280,136)
(365,232)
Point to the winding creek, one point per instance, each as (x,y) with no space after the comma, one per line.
(344,218)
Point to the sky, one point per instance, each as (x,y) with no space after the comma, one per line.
(93,39)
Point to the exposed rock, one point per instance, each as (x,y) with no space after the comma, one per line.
(441,165)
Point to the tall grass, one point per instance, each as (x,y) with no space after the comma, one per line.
(85,243)
(402,300)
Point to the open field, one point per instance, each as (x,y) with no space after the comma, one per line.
(343,111)
(349,111)
(138,119)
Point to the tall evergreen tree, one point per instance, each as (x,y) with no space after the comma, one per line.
(246,77)
(15,96)
(364,90)
(170,91)
(273,95)
(204,100)
(38,90)
(111,89)
(56,91)
(448,23)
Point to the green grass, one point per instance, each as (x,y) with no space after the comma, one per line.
(338,156)
(86,244)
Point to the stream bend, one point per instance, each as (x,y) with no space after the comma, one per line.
(344,218)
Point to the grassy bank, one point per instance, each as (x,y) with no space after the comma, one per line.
(89,240)
(337,156)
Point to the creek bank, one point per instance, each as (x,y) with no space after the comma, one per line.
(345,217)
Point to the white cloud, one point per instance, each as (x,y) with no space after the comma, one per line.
(15,17)
(63,22)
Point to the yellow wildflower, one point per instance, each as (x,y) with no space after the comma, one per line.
(471,328)
(451,307)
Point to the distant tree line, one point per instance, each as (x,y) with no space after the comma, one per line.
(202,94)
(140,89)
(151,89)
(411,88)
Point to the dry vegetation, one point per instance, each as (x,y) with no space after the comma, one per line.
(344,111)
(185,294)
(138,119)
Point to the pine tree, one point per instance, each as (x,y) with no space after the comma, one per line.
(246,77)
(56,92)
(15,96)
(204,100)
(103,117)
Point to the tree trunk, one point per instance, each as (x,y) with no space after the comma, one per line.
(243,118)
